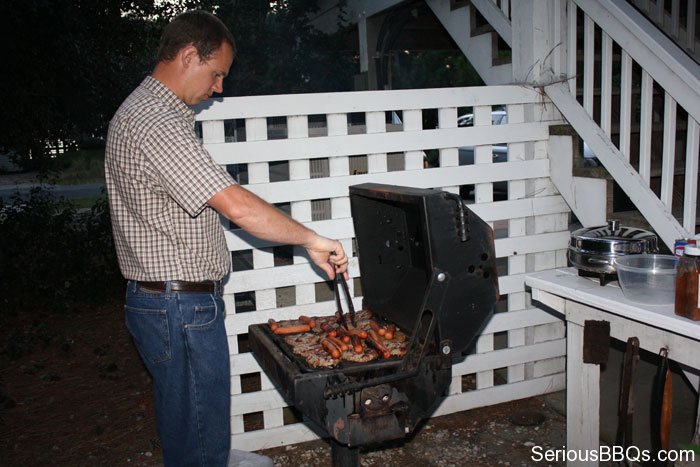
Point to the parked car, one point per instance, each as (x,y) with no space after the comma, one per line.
(500,151)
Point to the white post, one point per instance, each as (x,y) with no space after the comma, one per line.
(539,41)
(368,29)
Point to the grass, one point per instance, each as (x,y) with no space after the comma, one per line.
(78,167)
(85,203)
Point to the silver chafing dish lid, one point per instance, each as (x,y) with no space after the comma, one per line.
(594,249)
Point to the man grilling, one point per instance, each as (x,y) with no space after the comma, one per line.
(165,194)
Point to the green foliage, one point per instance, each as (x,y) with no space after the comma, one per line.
(279,52)
(52,256)
(433,69)
(76,167)
(72,62)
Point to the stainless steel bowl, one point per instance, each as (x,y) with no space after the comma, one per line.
(594,249)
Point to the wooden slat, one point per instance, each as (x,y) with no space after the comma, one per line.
(413,121)
(675,18)
(588,63)
(532,243)
(647,102)
(690,25)
(515,210)
(213,131)
(625,104)
(333,146)
(504,357)
(692,153)
(259,278)
(571,40)
(362,101)
(433,178)
(517,227)
(660,13)
(606,72)
(669,151)
(259,171)
(376,162)
(502,393)
(284,276)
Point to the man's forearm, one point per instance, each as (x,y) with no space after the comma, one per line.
(259,218)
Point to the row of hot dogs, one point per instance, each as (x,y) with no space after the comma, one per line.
(336,339)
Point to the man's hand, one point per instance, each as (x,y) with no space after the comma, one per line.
(329,255)
(263,220)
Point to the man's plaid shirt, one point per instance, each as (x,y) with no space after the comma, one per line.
(159,179)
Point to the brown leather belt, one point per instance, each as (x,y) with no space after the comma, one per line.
(182,286)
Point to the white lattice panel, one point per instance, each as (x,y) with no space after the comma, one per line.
(307,169)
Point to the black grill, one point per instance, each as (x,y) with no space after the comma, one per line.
(428,265)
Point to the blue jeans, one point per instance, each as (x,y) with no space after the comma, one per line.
(182,341)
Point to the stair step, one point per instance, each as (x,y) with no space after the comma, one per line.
(483,29)
(456,4)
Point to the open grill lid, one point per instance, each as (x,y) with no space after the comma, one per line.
(423,250)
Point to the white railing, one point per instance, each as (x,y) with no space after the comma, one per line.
(680,22)
(655,119)
(633,94)
(520,353)
(497,13)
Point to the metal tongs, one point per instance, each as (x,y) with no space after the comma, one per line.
(351,308)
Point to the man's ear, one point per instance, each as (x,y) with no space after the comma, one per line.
(188,56)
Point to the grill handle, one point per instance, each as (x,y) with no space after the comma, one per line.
(462,224)
(343,388)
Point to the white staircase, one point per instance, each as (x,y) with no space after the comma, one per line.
(631,93)
(479,46)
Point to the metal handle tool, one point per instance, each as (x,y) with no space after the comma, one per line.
(351,308)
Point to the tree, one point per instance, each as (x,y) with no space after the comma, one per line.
(70,64)
(280,52)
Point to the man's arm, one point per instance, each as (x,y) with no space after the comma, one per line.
(259,218)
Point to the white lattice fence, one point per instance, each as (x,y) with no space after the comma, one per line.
(359,140)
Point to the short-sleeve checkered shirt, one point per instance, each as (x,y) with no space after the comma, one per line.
(159,179)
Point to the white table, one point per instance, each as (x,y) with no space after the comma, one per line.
(580,299)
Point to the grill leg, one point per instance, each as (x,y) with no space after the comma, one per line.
(344,456)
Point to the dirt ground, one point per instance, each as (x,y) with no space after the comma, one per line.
(73,392)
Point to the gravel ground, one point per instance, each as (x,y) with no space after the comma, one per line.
(512,433)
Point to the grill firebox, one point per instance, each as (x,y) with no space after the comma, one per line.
(428,266)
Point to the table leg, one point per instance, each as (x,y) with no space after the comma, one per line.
(582,398)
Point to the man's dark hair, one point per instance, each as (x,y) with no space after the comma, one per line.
(200,28)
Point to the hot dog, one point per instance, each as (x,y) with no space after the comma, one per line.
(329,330)
(330,347)
(361,333)
(292,329)
(356,344)
(390,330)
(338,343)
(308,321)
(376,328)
(373,340)
(273,324)
(344,336)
